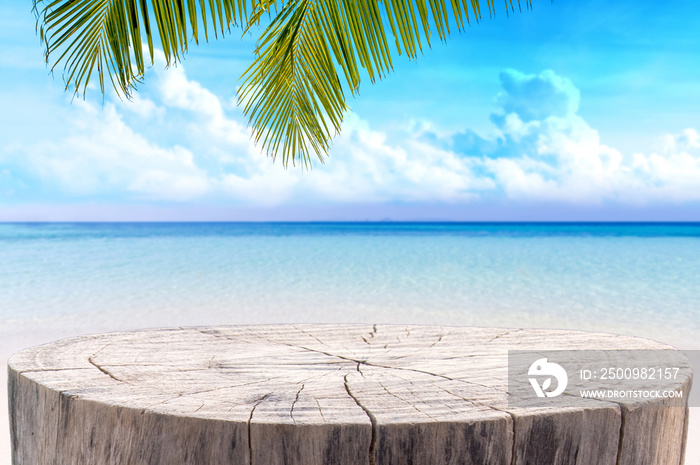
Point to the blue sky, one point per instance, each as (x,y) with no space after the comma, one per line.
(570,111)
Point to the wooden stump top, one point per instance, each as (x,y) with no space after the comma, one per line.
(320,394)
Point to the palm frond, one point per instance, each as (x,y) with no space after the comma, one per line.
(105,36)
(293,93)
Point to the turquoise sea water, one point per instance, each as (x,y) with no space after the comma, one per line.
(641,279)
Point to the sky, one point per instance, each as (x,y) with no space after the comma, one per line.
(571,111)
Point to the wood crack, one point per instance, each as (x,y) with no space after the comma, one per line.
(622,435)
(205,391)
(320,410)
(411,354)
(105,371)
(311,335)
(504,334)
(376,365)
(406,401)
(250,420)
(296,399)
(513,450)
(440,336)
(512,418)
(372,419)
(48,370)
(101,368)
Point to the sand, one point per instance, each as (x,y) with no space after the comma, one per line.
(19,335)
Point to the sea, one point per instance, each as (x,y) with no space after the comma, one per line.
(641,279)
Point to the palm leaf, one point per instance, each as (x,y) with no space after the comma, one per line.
(293,94)
(105,36)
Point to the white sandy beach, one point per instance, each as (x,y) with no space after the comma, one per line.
(17,336)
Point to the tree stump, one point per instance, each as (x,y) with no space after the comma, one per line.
(321,394)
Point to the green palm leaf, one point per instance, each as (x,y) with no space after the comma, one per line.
(105,36)
(292,93)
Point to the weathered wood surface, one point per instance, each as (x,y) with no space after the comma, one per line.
(318,394)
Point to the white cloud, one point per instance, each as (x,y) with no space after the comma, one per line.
(104,155)
(178,141)
(536,97)
(546,151)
